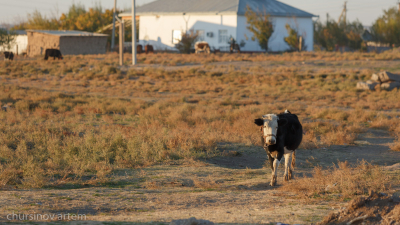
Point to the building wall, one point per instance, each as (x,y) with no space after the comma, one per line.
(77,45)
(276,42)
(157,29)
(38,43)
(21,41)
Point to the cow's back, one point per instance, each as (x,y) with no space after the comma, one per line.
(293,131)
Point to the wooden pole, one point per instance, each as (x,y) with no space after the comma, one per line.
(300,43)
(121,43)
(113,30)
(133,33)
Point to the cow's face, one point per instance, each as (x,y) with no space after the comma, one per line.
(269,126)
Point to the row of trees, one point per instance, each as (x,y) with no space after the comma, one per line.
(77,18)
(331,34)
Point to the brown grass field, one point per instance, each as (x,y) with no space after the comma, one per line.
(174,136)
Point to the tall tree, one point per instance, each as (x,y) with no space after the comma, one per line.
(293,39)
(386,29)
(260,25)
(333,34)
(7,39)
(68,21)
(37,21)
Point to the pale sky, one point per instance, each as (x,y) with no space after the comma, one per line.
(367,11)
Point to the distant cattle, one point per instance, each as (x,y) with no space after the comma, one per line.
(8,56)
(234,47)
(148,48)
(202,46)
(55,53)
(139,49)
(281,135)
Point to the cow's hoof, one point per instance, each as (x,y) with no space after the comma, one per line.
(287,177)
(273,181)
(290,175)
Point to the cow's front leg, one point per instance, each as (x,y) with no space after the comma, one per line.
(288,170)
(275,172)
(270,160)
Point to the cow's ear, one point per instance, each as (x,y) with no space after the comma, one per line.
(259,122)
(282,122)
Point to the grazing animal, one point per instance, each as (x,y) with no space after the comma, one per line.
(139,49)
(148,48)
(234,47)
(281,136)
(8,56)
(202,46)
(55,53)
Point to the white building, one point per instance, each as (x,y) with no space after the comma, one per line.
(20,43)
(162,23)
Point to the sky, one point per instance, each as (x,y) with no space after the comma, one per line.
(367,11)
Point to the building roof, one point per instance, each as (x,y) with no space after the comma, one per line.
(238,7)
(19,32)
(67,33)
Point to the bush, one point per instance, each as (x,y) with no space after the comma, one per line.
(187,42)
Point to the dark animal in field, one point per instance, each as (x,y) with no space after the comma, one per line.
(148,48)
(234,47)
(139,49)
(55,53)
(8,56)
(281,136)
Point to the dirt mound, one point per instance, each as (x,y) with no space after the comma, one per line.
(378,208)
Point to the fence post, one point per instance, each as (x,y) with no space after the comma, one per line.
(121,43)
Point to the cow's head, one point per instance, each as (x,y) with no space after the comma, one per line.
(269,126)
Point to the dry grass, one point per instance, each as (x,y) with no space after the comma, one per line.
(342,180)
(79,119)
(395,146)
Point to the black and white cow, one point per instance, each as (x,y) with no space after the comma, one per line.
(8,56)
(281,136)
(52,53)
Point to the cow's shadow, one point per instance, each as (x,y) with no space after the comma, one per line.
(236,156)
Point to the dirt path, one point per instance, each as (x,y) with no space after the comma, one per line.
(231,189)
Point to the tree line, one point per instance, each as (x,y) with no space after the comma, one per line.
(331,34)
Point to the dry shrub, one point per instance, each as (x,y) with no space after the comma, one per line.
(338,137)
(341,179)
(309,141)
(396,145)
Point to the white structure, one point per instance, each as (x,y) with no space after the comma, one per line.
(162,23)
(20,43)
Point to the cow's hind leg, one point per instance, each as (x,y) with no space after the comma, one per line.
(288,170)
(274,172)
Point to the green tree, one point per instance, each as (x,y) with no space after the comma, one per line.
(293,40)
(260,25)
(386,29)
(68,20)
(7,39)
(187,41)
(331,33)
(37,21)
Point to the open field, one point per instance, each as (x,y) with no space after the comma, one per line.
(174,137)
